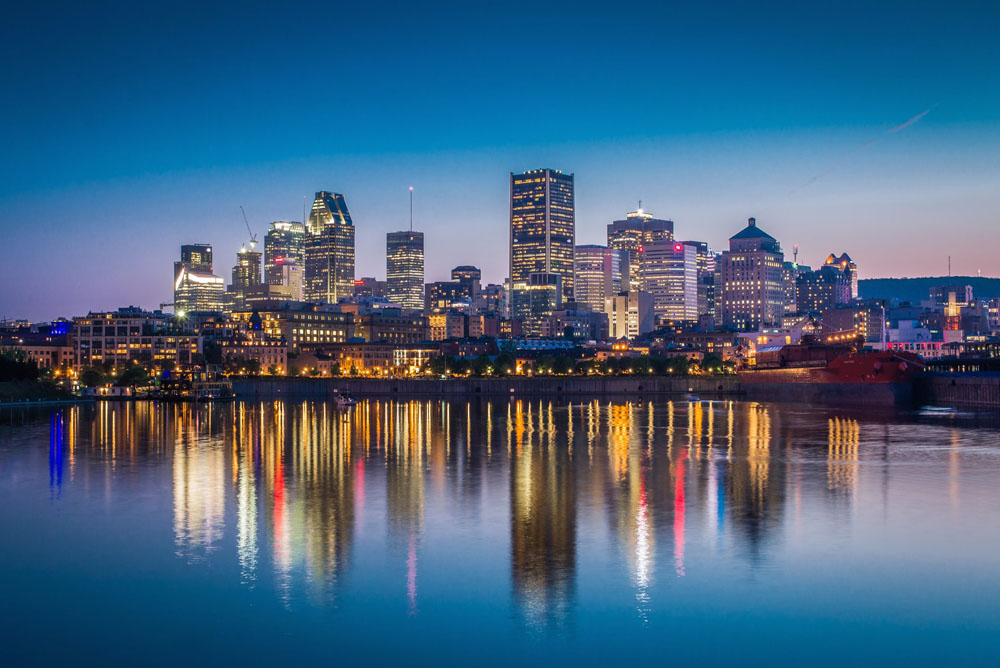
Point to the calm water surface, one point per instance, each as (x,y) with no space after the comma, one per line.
(477,532)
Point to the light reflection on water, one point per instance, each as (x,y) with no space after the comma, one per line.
(567,520)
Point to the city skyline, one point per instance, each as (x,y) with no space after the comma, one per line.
(857,131)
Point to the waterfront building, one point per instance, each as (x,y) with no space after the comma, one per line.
(749,290)
(132,335)
(844,263)
(253,345)
(630,314)
(542,229)
(404,267)
(599,272)
(299,324)
(329,250)
(284,248)
(369,286)
(859,320)
(632,234)
(670,275)
(826,288)
(390,325)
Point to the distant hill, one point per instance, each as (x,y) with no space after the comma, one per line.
(916,289)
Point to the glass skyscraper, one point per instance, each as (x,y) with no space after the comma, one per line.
(284,244)
(196,288)
(599,273)
(404,268)
(542,227)
(329,250)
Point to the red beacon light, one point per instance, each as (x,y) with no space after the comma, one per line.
(678,247)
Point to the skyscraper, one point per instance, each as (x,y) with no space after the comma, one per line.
(329,250)
(542,228)
(670,275)
(749,292)
(630,235)
(196,288)
(284,246)
(599,273)
(404,268)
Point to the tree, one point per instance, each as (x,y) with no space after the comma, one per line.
(273,370)
(293,370)
(91,377)
(504,364)
(482,366)
(641,365)
(438,365)
(16,365)
(563,365)
(133,376)
(544,364)
(712,363)
(459,366)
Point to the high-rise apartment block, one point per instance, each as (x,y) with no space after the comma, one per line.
(329,250)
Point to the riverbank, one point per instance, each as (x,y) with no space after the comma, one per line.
(701,386)
(34,392)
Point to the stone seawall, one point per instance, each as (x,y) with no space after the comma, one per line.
(556,386)
(978,390)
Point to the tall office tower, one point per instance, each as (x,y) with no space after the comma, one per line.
(670,274)
(246,271)
(749,291)
(329,247)
(706,277)
(540,296)
(284,245)
(638,229)
(826,288)
(404,268)
(599,272)
(848,266)
(630,314)
(196,288)
(542,229)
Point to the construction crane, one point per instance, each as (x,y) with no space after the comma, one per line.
(253,237)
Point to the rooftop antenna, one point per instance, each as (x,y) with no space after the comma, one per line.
(949,266)
(411,208)
(253,237)
(795,253)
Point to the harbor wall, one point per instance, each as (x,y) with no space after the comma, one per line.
(625,386)
(977,390)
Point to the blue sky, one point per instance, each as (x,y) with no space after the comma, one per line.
(129,130)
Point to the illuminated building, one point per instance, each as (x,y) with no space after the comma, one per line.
(630,235)
(848,266)
(301,325)
(246,275)
(390,326)
(535,300)
(132,335)
(865,320)
(196,288)
(599,272)
(329,250)
(630,314)
(749,289)
(826,288)
(444,326)
(706,260)
(194,292)
(369,286)
(442,296)
(585,324)
(404,269)
(542,229)
(494,299)
(472,277)
(284,254)
(670,275)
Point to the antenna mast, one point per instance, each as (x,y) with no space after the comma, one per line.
(411,208)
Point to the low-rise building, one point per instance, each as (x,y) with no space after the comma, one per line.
(131,335)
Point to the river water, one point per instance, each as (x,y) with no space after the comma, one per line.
(482,532)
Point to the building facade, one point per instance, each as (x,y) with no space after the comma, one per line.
(284,255)
(542,228)
(670,275)
(329,250)
(196,288)
(630,314)
(599,272)
(404,269)
(749,289)
(131,335)
(632,234)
